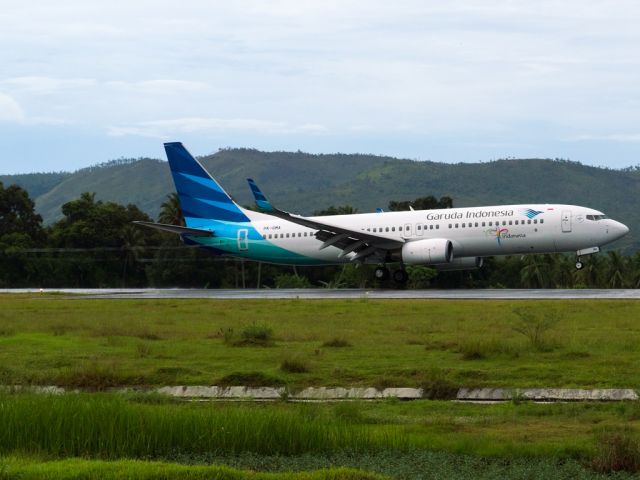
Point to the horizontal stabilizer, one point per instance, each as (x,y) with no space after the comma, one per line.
(193,232)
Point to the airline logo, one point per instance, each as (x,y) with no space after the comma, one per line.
(530,213)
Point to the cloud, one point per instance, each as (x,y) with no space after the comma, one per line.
(610,137)
(158,86)
(10,110)
(48,85)
(168,128)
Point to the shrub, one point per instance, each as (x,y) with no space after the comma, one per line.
(437,386)
(481,349)
(292,365)
(93,377)
(257,334)
(535,327)
(617,451)
(337,342)
(292,281)
(253,334)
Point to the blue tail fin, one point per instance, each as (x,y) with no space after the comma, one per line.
(200,195)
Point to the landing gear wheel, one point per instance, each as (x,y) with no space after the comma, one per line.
(400,276)
(381,273)
(579,265)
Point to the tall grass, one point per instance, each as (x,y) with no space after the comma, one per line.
(112,427)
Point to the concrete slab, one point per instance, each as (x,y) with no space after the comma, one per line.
(548,394)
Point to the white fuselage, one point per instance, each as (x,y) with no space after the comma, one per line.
(474,232)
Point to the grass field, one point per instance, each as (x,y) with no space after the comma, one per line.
(75,468)
(439,345)
(103,343)
(409,440)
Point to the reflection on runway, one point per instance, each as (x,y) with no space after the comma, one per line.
(323,293)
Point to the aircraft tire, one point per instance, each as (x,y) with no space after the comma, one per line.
(381,273)
(579,265)
(400,276)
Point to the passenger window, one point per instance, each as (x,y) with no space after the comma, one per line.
(386,229)
(463,225)
(430,227)
(476,224)
(542,220)
(504,222)
(483,224)
(528,222)
(535,220)
(449,225)
(437,227)
(282,235)
(399,229)
(510,222)
(456,225)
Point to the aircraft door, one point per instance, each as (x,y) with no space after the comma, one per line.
(243,242)
(566,221)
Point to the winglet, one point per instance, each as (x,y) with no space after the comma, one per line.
(261,200)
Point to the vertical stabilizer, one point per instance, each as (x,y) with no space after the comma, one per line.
(201,197)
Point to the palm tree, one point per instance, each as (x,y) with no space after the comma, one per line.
(616,270)
(535,272)
(170,212)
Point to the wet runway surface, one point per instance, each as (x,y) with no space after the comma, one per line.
(243,294)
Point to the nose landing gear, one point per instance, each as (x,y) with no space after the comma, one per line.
(579,264)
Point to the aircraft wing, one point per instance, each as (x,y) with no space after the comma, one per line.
(193,232)
(362,243)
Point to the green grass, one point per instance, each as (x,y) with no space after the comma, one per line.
(399,439)
(74,468)
(143,426)
(108,426)
(102,343)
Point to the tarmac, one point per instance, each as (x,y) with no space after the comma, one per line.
(325,293)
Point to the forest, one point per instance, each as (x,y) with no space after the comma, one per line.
(95,244)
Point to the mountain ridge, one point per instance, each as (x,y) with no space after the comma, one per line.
(302,183)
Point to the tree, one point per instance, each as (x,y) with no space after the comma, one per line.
(101,243)
(170,211)
(340,210)
(18,215)
(20,230)
(421,203)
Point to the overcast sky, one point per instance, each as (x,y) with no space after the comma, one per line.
(83,82)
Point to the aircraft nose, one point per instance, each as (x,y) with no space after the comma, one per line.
(620,229)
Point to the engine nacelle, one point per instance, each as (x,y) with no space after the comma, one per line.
(462,263)
(427,252)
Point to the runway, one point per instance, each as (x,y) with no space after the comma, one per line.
(323,293)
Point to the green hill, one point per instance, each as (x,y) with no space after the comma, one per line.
(301,182)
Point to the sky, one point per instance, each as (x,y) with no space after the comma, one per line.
(84,82)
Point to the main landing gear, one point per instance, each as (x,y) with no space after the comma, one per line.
(382,273)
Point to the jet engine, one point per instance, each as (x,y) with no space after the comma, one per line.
(462,263)
(427,252)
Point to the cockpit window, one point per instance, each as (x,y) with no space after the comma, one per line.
(596,217)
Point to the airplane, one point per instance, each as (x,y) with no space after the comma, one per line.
(446,239)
